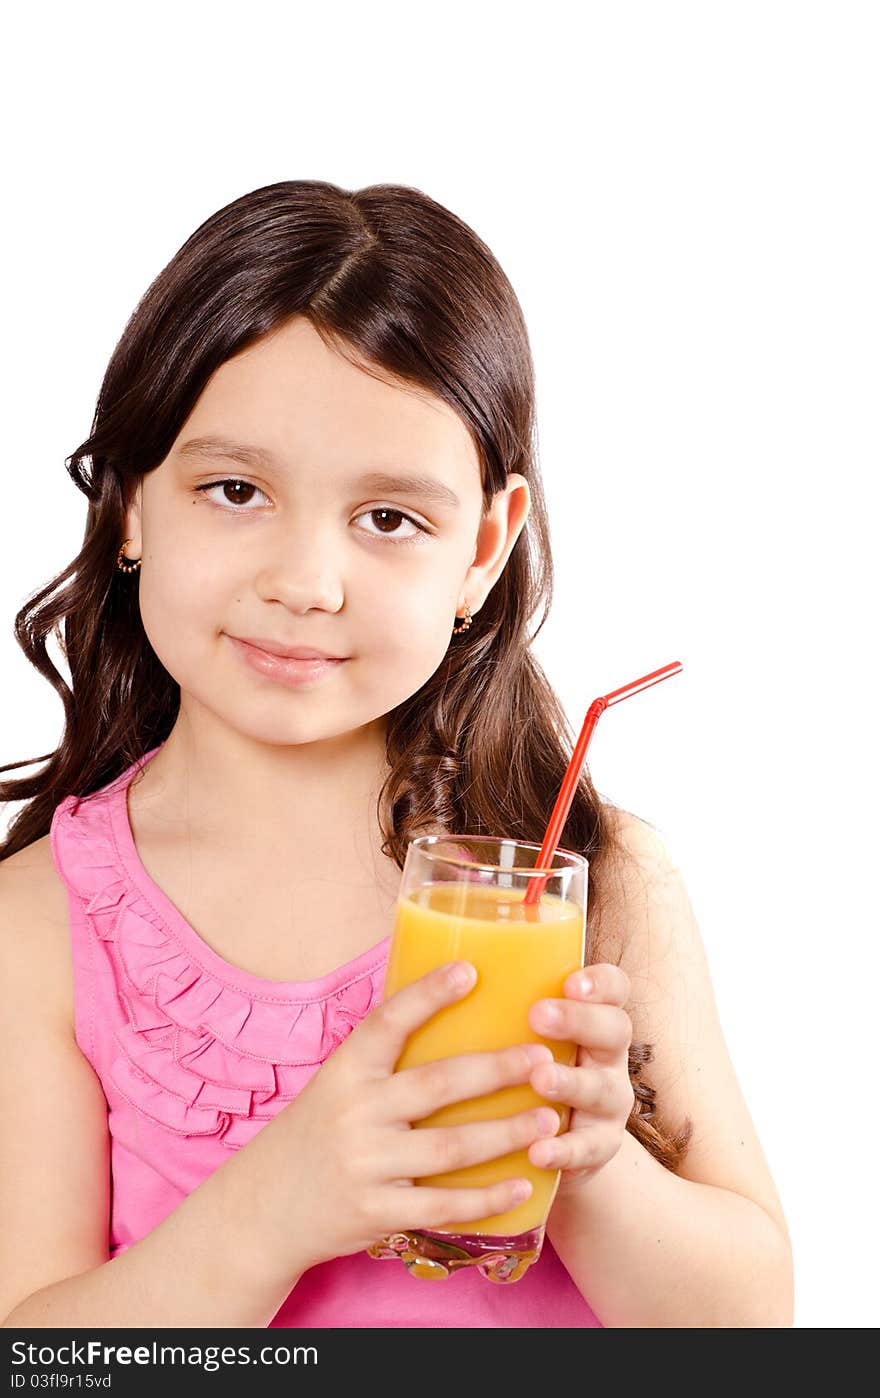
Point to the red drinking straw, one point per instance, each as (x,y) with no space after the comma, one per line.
(570,781)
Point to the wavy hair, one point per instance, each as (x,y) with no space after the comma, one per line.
(404,288)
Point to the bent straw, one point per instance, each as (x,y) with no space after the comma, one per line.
(570,780)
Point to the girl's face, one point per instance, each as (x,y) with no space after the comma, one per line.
(302,549)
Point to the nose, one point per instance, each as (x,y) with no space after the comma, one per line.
(301,569)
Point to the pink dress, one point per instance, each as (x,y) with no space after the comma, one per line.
(195,1055)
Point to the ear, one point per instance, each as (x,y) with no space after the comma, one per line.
(499,530)
(132,529)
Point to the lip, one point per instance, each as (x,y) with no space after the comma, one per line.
(285,669)
(286,652)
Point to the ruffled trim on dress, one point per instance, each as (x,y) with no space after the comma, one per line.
(198,1055)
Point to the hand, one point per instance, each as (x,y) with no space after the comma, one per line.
(343,1155)
(597,1087)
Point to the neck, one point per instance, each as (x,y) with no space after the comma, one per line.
(308,805)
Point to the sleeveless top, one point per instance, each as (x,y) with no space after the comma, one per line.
(194,1055)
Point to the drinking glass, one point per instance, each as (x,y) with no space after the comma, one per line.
(461,899)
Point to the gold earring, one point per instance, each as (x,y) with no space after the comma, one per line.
(127,565)
(467,621)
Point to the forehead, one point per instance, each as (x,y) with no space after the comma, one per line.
(307,406)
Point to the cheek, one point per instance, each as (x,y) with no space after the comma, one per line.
(179,615)
(411,605)
(411,639)
(421,608)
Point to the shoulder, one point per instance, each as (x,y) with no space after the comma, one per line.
(35,949)
(648,925)
(640,880)
(646,848)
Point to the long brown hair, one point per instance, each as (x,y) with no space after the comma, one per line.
(404,288)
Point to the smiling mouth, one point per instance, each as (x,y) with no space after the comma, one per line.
(283,652)
(286,669)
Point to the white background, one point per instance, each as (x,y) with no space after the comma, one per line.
(685,199)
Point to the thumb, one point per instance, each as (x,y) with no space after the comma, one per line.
(382,1035)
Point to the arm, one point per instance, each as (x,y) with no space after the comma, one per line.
(647,1248)
(203,1265)
(706,1245)
(188,1272)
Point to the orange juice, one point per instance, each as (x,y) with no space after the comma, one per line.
(519,959)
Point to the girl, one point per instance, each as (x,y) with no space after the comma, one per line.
(316,437)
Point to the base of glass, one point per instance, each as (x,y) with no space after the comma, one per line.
(434,1256)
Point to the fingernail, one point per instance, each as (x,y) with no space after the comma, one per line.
(521,1190)
(551,1081)
(461,974)
(538,1053)
(549,1014)
(585,984)
(549,1124)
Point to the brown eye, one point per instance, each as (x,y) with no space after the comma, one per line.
(388,524)
(386,518)
(236,492)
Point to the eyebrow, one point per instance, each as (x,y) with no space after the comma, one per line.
(425,486)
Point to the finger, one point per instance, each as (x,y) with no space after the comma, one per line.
(428,1206)
(603,1091)
(432,1150)
(603,1029)
(585,1148)
(603,983)
(382,1034)
(413,1093)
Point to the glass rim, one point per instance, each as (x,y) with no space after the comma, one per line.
(532,871)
